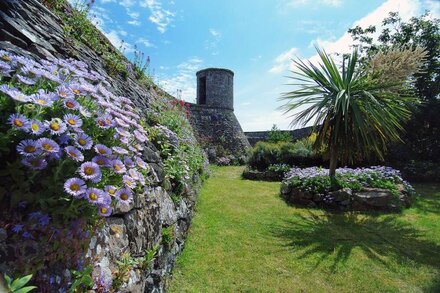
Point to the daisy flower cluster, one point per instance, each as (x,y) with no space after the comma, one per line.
(62,111)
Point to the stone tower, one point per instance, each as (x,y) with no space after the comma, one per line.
(213,118)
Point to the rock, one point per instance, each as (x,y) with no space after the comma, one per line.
(285,187)
(342,194)
(168,214)
(374,197)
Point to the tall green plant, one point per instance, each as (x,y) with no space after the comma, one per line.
(354,112)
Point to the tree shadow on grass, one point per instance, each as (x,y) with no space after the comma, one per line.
(334,236)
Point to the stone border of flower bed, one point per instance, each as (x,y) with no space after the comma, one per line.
(262,175)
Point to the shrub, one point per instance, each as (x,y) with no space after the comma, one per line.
(300,153)
(276,135)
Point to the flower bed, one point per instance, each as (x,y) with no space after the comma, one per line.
(374,188)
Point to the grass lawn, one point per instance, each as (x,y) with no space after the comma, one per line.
(244,238)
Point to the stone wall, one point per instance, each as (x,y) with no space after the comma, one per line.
(28,28)
(256,136)
(219,131)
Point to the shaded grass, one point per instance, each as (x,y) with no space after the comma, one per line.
(244,238)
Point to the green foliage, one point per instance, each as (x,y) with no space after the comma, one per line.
(276,135)
(421,140)
(168,236)
(127,262)
(82,280)
(18,285)
(279,168)
(355,114)
(299,153)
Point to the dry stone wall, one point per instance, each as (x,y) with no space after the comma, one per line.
(28,28)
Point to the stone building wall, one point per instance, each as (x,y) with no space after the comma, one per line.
(28,28)
(255,136)
(213,118)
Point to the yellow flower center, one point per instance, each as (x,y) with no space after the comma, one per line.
(111,191)
(75,187)
(103,210)
(71,121)
(100,162)
(76,91)
(54,126)
(30,149)
(82,141)
(70,105)
(41,102)
(101,151)
(18,122)
(47,147)
(62,94)
(35,127)
(117,167)
(89,171)
(73,154)
(124,196)
(93,196)
(6,58)
(101,123)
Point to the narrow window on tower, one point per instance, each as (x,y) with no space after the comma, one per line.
(202,91)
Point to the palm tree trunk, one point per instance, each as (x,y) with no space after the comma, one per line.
(333,166)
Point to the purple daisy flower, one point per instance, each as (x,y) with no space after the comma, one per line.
(141,163)
(87,87)
(128,181)
(104,210)
(71,104)
(123,132)
(48,145)
(18,121)
(63,139)
(140,136)
(89,170)
(101,161)
(63,92)
(86,113)
(36,127)
(128,162)
(124,140)
(74,153)
(35,163)
(133,174)
(75,187)
(102,123)
(141,179)
(73,120)
(56,126)
(111,190)
(121,122)
(25,80)
(118,166)
(42,100)
(103,150)
(76,89)
(28,148)
(83,141)
(124,195)
(120,150)
(94,195)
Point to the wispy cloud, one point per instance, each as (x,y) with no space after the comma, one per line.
(283,61)
(161,17)
(144,42)
(212,43)
(184,80)
(115,37)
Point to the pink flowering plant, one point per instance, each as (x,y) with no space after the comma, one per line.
(69,147)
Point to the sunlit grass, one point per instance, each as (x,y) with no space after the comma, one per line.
(244,238)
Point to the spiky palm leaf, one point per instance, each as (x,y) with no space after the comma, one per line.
(354,113)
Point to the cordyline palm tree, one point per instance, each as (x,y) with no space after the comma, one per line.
(355,114)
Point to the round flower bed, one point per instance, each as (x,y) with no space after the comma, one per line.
(374,188)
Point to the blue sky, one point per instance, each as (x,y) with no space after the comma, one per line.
(256,39)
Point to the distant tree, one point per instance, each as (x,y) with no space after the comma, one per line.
(422,138)
(276,135)
(356,111)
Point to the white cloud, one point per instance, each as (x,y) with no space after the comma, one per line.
(283,61)
(133,15)
(212,43)
(184,81)
(434,7)
(144,42)
(134,22)
(127,3)
(264,120)
(115,38)
(161,17)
